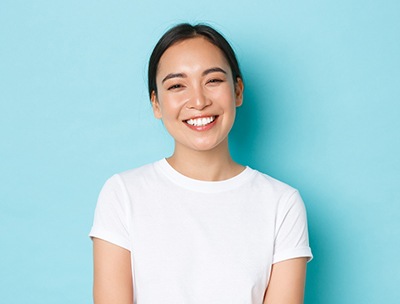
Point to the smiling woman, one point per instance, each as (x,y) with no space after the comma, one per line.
(197,227)
(196,96)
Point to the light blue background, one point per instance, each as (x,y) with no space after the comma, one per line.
(321,113)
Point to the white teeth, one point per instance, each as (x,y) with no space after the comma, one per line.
(197,122)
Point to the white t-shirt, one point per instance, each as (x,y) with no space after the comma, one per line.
(197,241)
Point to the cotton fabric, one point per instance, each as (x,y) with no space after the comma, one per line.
(202,242)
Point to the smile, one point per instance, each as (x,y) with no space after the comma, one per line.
(200,122)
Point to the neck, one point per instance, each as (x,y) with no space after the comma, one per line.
(211,165)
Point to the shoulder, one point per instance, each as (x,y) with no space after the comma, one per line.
(274,193)
(135,176)
(265,182)
(142,172)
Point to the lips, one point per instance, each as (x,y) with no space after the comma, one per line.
(200,121)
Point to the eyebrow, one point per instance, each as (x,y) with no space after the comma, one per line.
(182,75)
(213,70)
(173,75)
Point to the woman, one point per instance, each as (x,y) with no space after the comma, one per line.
(198,227)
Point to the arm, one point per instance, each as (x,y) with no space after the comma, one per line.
(112,274)
(286,285)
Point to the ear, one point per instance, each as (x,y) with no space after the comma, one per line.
(239,88)
(155,105)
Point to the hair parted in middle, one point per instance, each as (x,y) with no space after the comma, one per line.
(186,31)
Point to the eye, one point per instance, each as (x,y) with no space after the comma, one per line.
(215,80)
(175,87)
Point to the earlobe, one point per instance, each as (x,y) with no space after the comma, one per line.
(239,88)
(155,105)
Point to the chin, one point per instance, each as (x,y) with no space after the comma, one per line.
(204,147)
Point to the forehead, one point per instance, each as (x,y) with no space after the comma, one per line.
(195,52)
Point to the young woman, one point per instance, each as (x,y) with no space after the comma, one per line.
(197,227)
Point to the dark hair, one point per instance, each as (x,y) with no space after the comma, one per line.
(185,31)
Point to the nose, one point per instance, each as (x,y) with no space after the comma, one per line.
(199,100)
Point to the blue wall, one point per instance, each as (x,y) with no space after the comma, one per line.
(321,112)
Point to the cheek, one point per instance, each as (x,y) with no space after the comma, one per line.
(170,108)
(226,96)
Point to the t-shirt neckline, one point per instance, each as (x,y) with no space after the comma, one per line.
(203,186)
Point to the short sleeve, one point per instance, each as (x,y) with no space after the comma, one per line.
(291,232)
(110,218)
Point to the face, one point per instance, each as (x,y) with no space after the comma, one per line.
(197,97)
